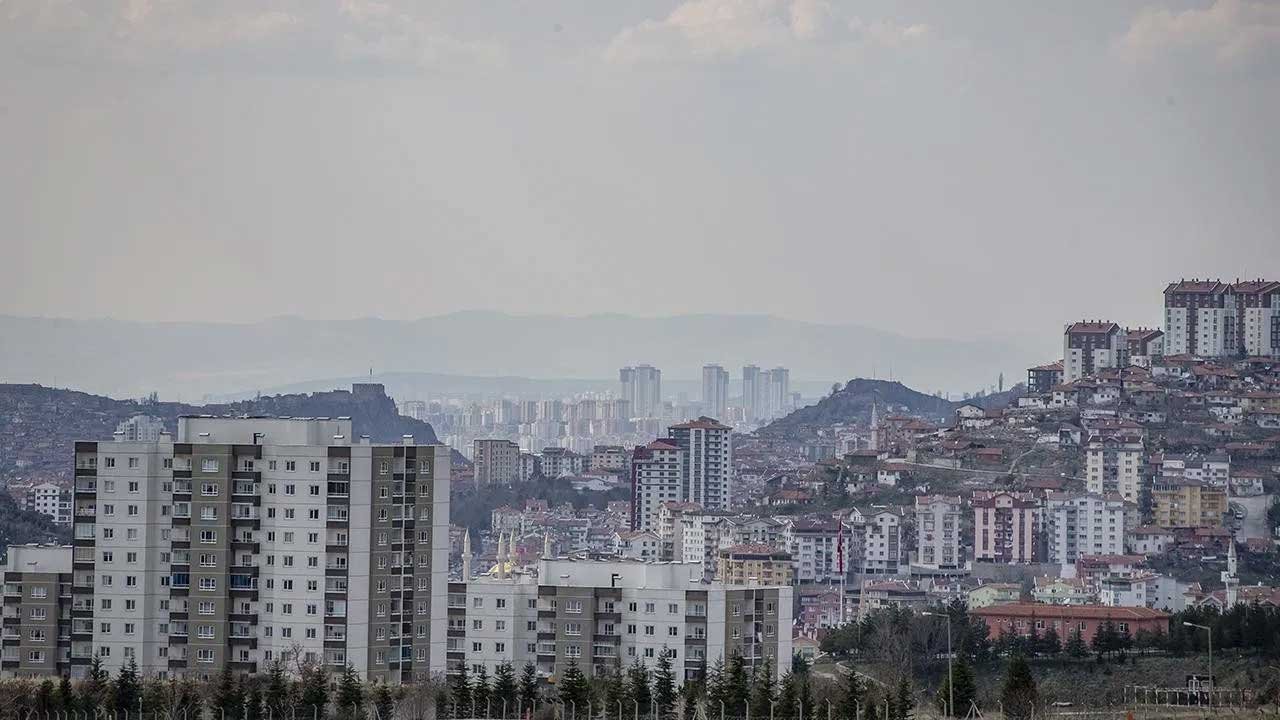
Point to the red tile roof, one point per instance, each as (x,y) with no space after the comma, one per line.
(1083,612)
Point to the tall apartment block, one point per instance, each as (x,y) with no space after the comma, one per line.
(715,390)
(642,389)
(1090,346)
(50,500)
(657,470)
(1187,502)
(1113,464)
(779,390)
(1211,318)
(37,622)
(1085,524)
(753,394)
(708,462)
(247,540)
(1004,527)
(938,532)
(497,462)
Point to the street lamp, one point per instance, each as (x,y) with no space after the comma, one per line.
(951,681)
(1209,634)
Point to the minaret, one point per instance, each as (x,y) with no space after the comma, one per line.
(1229,578)
(546,544)
(502,556)
(875,424)
(466,555)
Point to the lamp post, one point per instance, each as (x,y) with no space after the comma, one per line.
(951,681)
(1209,634)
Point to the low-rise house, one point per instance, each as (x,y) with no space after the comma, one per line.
(1061,591)
(994,594)
(1021,618)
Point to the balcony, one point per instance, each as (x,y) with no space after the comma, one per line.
(337,513)
(244,487)
(181,487)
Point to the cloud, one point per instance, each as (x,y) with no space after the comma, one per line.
(141,31)
(1230,31)
(724,29)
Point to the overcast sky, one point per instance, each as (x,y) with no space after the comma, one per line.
(939,168)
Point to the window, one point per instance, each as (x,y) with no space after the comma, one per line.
(133,486)
(131,557)
(673,631)
(573,606)
(204,655)
(477,624)
(290,466)
(109,462)
(648,629)
(205,607)
(271,464)
(673,609)
(208,537)
(315,467)
(209,465)
(290,490)
(208,583)
(108,556)
(208,512)
(209,489)
(315,489)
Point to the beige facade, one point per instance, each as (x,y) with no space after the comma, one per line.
(1179,502)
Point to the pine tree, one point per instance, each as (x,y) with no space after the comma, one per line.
(460,692)
(788,696)
(965,693)
(573,688)
(737,686)
(279,688)
(253,701)
(315,690)
(44,697)
(664,686)
(1051,644)
(384,702)
(763,687)
(528,688)
(852,698)
(1075,646)
(614,689)
(350,693)
(694,692)
(904,703)
(228,698)
(1019,696)
(638,686)
(1104,639)
(128,689)
(717,691)
(481,695)
(504,686)
(66,694)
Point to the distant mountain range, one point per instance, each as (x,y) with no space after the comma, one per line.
(38,425)
(192,361)
(853,404)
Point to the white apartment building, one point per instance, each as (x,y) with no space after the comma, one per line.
(938,532)
(1211,318)
(249,540)
(1113,464)
(50,500)
(493,621)
(657,471)
(641,388)
(497,462)
(140,428)
(880,533)
(715,391)
(1085,524)
(707,453)
(1090,346)
(1213,470)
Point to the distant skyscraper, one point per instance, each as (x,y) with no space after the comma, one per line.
(752,392)
(141,428)
(779,391)
(715,390)
(642,387)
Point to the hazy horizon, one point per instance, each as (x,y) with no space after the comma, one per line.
(926,167)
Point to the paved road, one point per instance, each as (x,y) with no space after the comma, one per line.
(1255,517)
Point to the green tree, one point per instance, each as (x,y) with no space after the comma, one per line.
(1019,697)
(789,694)
(737,686)
(904,702)
(852,697)
(66,694)
(253,700)
(1051,644)
(227,695)
(717,689)
(966,690)
(638,687)
(481,693)
(1105,639)
(280,689)
(1075,646)
(613,690)
(460,692)
(315,690)
(528,687)
(664,686)
(763,687)
(573,688)
(384,702)
(694,692)
(350,698)
(128,688)
(44,700)
(504,686)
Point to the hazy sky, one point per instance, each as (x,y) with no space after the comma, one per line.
(940,168)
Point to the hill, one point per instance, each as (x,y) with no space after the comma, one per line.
(852,404)
(38,424)
(133,359)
